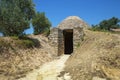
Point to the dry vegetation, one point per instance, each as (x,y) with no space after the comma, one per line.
(18,57)
(98,57)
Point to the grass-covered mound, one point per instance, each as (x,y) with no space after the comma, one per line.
(97,57)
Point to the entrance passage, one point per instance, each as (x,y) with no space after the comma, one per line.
(68,41)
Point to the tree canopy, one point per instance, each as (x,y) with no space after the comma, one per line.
(15,16)
(112,23)
(41,24)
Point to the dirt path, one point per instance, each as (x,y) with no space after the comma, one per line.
(49,71)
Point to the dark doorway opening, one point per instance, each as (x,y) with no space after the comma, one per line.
(68,41)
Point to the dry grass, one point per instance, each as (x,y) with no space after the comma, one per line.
(97,50)
(16,60)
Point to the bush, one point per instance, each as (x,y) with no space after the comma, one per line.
(4,45)
(13,43)
(107,25)
(23,44)
(26,42)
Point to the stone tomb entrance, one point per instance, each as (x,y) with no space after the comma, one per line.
(68,41)
(67,36)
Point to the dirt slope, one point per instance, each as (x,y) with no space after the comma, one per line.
(16,63)
(97,58)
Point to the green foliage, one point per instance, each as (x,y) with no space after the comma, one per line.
(15,16)
(41,24)
(23,44)
(106,25)
(4,45)
(14,37)
(14,42)
(78,45)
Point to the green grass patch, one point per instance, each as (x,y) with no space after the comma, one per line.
(4,45)
(26,42)
(78,45)
(14,42)
(23,44)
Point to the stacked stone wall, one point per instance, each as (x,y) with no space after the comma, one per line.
(56,37)
(78,36)
(60,42)
(53,39)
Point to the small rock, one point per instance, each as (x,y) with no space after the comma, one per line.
(67,76)
(97,78)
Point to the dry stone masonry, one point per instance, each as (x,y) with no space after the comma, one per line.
(67,35)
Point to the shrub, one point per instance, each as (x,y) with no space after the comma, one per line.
(26,42)
(4,45)
(107,25)
(23,44)
(13,43)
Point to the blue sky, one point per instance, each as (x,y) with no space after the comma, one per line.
(91,11)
